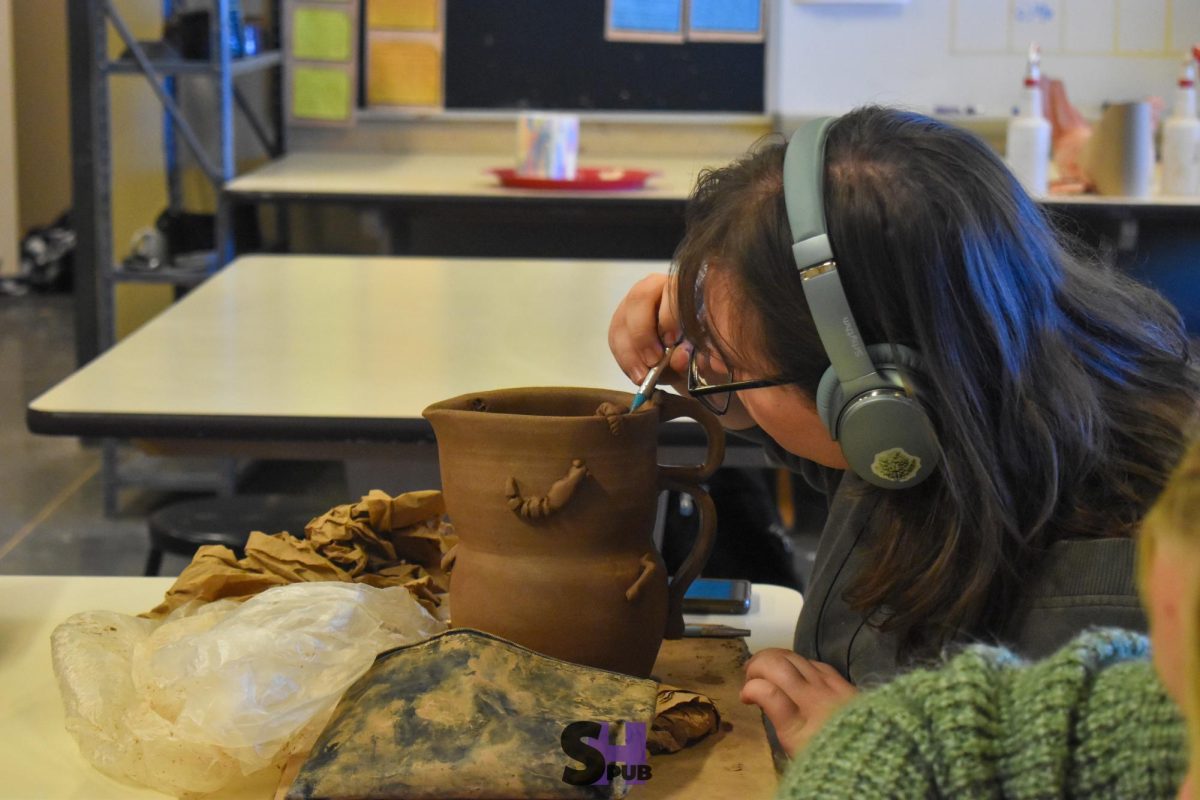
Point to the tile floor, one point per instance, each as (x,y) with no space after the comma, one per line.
(51,512)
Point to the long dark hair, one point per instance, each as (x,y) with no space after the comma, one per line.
(1059,388)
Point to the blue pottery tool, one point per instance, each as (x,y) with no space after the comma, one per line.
(651,379)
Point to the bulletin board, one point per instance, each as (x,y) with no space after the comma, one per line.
(572,55)
(553,54)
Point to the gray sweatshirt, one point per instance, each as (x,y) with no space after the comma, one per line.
(1081,583)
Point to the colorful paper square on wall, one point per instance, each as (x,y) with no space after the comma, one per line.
(403,73)
(403,15)
(658,21)
(726,17)
(321,61)
(322,93)
(320,34)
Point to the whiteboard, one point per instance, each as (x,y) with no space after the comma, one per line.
(827,58)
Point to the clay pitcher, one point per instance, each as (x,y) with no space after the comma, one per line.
(554,493)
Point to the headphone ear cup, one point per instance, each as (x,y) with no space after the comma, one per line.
(895,356)
(829,400)
(885,434)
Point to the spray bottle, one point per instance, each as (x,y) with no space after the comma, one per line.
(1181,136)
(1028,143)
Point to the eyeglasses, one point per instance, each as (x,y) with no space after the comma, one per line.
(712,383)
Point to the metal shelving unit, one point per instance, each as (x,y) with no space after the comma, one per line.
(96,273)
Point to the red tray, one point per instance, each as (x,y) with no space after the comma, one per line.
(586,179)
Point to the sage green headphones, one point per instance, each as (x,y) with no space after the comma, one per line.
(863,398)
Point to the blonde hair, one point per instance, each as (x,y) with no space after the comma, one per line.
(1176,517)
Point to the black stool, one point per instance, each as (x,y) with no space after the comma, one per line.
(185,526)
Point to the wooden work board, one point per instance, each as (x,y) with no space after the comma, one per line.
(737,761)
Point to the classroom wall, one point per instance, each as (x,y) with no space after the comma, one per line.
(43,147)
(43,112)
(44,141)
(139,188)
(601,136)
(829,58)
(8,167)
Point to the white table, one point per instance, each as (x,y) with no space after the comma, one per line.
(335,357)
(37,757)
(771,619)
(1154,200)
(450,204)
(345,349)
(400,176)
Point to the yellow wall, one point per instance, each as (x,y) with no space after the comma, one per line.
(139,188)
(44,141)
(43,112)
(9,223)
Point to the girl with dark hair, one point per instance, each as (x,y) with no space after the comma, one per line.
(1058,391)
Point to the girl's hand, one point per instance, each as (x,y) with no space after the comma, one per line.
(797,694)
(643,321)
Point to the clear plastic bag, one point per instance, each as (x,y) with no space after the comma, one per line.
(212,694)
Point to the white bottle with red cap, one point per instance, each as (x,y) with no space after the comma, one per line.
(1027,146)
(1181,137)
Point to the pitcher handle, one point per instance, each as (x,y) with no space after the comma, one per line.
(696,559)
(673,406)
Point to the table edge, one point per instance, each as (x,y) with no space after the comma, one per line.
(241,427)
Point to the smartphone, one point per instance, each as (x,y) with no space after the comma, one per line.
(717,596)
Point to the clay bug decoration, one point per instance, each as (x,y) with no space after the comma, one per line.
(560,492)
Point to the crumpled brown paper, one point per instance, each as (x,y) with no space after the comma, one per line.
(380,540)
(386,541)
(681,718)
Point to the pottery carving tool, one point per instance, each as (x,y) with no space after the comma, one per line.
(714,632)
(651,380)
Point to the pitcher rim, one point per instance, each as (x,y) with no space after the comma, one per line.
(443,405)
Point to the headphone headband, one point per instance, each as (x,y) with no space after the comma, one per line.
(804,195)
(884,433)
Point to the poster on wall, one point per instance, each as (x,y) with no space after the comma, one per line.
(679,21)
(321,61)
(658,21)
(725,21)
(405,50)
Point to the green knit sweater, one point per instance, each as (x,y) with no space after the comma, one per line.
(1091,721)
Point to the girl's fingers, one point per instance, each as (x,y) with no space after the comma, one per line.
(633,331)
(669,329)
(785,716)
(833,679)
(641,318)
(679,359)
(774,702)
(816,671)
(774,666)
(777,658)
(624,354)
(797,694)
(810,684)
